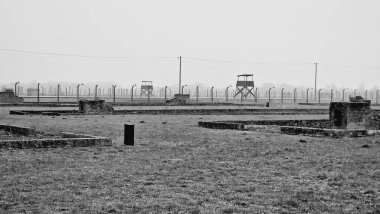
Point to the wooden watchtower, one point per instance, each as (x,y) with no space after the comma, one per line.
(244,85)
(146,88)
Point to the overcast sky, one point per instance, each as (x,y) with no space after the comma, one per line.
(129,41)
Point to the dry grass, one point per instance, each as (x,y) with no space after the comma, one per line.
(179,167)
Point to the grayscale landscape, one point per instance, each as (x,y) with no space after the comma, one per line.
(200,106)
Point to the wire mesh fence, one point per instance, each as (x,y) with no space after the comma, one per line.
(201,95)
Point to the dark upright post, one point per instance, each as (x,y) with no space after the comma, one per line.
(129,135)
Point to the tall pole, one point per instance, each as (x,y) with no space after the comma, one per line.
(38,92)
(78,91)
(294,95)
(197,93)
(256,94)
(212,94)
(269,93)
(282,95)
(166,87)
(148,96)
(132,93)
(58,89)
(114,93)
(343,94)
(315,81)
(96,91)
(227,93)
(182,89)
(331,95)
(180,71)
(307,94)
(16,88)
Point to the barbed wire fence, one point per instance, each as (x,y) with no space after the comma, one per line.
(293,82)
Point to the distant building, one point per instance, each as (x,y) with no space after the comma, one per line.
(32,92)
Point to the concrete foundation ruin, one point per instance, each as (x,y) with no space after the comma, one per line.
(356,114)
(179,99)
(15,137)
(8,96)
(346,119)
(94,107)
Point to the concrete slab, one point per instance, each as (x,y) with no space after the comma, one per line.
(65,139)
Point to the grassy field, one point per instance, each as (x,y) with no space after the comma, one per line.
(178,167)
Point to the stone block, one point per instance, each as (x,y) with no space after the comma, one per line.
(94,107)
(221,125)
(8,96)
(179,99)
(353,115)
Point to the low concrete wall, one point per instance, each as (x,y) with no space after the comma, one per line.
(216,125)
(188,112)
(68,140)
(314,128)
(94,107)
(54,143)
(49,113)
(226,111)
(306,123)
(315,132)
(17,130)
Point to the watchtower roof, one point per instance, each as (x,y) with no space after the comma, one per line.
(146,82)
(245,75)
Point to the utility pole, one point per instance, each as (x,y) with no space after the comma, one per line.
(180,70)
(315,83)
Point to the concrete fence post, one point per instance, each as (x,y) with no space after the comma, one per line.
(58,89)
(282,95)
(307,95)
(343,94)
(197,93)
(96,92)
(212,94)
(132,92)
(269,93)
(38,92)
(114,93)
(166,87)
(256,95)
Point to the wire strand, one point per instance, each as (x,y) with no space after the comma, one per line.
(349,66)
(82,56)
(246,62)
